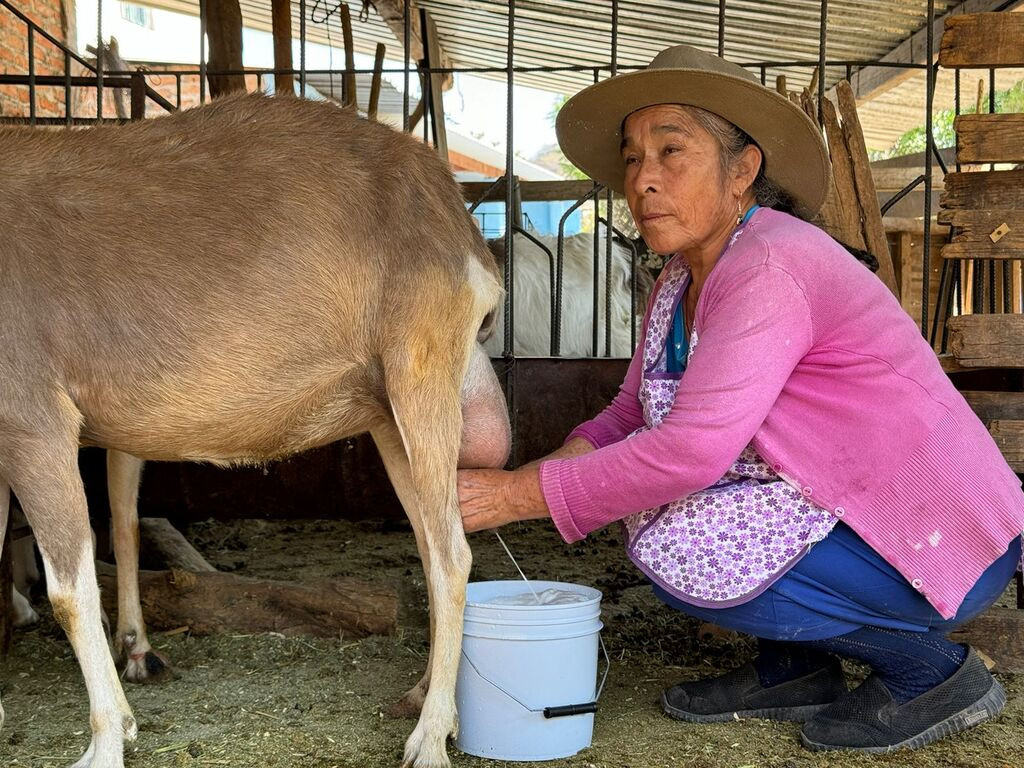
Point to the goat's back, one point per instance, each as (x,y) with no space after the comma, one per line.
(188,261)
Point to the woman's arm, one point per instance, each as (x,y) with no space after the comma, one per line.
(490,498)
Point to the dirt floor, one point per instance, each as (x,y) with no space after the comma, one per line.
(268,701)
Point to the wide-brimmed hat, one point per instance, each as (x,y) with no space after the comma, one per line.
(589,125)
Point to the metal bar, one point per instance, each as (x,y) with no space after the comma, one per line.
(930,143)
(902,193)
(615,37)
(202,51)
(46,35)
(177,88)
(822,44)
(551,270)
(302,48)
(556,330)
(764,74)
(509,192)
(99,61)
(721,28)
(486,194)
(609,209)
(596,291)
(67,87)
(31,77)
(405,66)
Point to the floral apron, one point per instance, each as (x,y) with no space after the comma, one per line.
(726,544)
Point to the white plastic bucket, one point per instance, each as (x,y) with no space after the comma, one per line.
(526,684)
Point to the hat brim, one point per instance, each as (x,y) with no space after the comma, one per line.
(589,127)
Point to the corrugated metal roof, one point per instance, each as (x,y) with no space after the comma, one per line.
(577,33)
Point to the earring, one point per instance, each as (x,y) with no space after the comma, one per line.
(739,212)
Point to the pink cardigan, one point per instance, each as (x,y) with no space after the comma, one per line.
(806,354)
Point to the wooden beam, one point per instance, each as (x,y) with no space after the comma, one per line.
(224,31)
(981,250)
(1009,436)
(281,19)
(999,632)
(978,227)
(990,138)
(983,40)
(996,406)
(870,82)
(874,232)
(531,191)
(378,67)
(851,231)
(214,603)
(349,81)
(993,341)
(984,189)
(392,12)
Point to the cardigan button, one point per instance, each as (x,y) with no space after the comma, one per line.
(916,584)
(806,490)
(777,467)
(839,511)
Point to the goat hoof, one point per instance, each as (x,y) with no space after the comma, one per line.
(149,668)
(409,705)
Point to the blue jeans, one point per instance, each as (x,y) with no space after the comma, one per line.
(841,585)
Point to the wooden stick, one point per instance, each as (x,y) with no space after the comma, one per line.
(780,85)
(813,87)
(874,231)
(211,603)
(378,71)
(981,97)
(281,23)
(157,535)
(850,230)
(349,83)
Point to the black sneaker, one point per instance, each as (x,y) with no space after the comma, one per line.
(740,694)
(868,720)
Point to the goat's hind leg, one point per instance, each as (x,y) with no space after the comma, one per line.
(42,468)
(132,650)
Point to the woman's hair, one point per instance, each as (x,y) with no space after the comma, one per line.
(731,142)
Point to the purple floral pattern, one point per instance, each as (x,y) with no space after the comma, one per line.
(729,542)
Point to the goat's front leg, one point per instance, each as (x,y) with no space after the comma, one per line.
(43,471)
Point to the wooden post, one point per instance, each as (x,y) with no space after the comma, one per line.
(874,231)
(224,30)
(851,231)
(780,85)
(349,81)
(281,18)
(378,67)
(138,91)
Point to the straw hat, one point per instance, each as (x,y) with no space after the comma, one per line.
(589,125)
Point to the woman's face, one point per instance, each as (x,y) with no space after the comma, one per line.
(674,182)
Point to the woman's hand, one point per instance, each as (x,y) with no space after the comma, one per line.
(490,498)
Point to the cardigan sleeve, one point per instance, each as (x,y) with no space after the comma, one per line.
(753,332)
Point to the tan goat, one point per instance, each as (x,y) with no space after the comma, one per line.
(238,283)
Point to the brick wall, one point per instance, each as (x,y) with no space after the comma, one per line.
(52,16)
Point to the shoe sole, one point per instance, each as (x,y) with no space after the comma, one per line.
(985,708)
(784,714)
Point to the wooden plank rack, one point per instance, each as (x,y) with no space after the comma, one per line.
(986,212)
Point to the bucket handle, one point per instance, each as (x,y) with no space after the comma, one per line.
(564,710)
